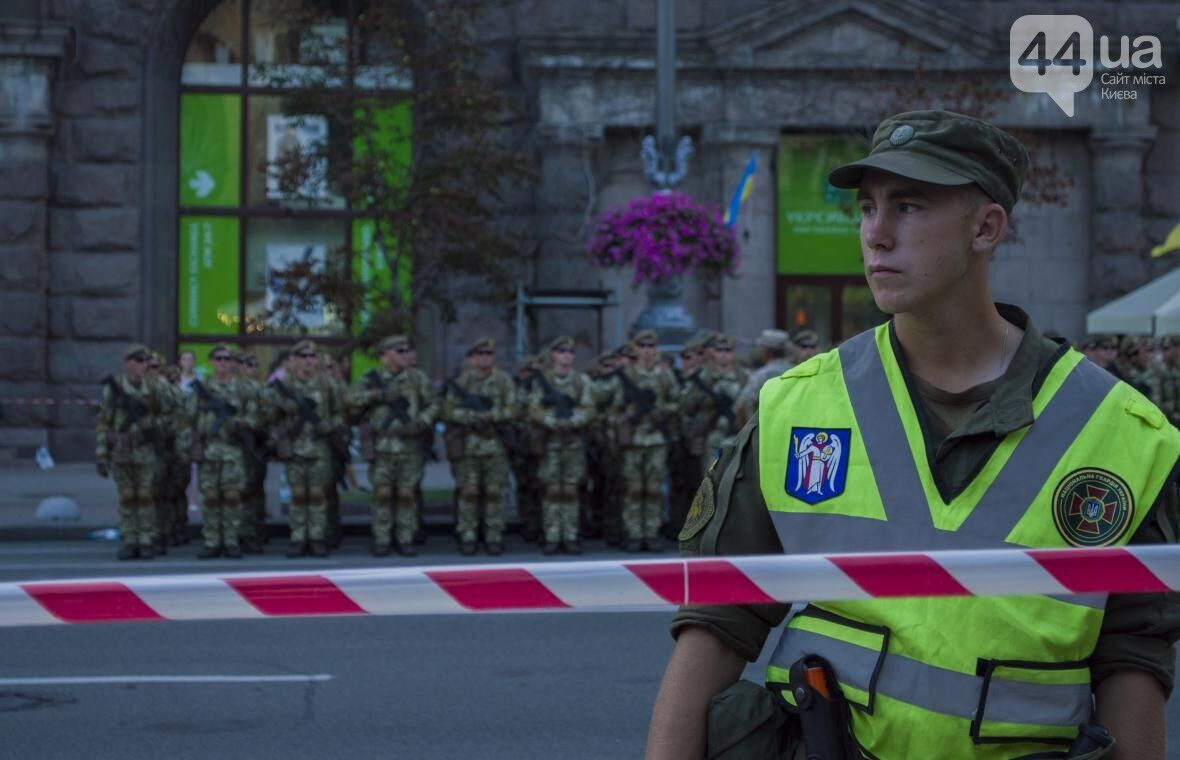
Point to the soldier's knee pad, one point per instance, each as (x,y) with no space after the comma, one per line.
(633,488)
(469,492)
(231,499)
(210,497)
(298,494)
(382,494)
(405,495)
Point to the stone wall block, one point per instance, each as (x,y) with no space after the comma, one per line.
(103,140)
(84,362)
(95,185)
(23,180)
(1118,232)
(103,317)
(1113,276)
(24,415)
(59,316)
(98,56)
(107,274)
(22,314)
(21,269)
(22,223)
(1162,193)
(98,97)
(28,358)
(98,229)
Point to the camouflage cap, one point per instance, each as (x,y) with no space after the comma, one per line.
(481,344)
(645,337)
(944,148)
(157,358)
(1130,344)
(806,339)
(393,341)
(220,347)
(562,343)
(242,356)
(628,350)
(773,340)
(722,341)
(305,345)
(699,340)
(136,349)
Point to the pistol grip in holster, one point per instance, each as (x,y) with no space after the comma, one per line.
(824,714)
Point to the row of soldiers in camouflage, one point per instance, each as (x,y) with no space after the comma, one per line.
(1152,367)
(628,416)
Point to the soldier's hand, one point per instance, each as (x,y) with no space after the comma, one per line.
(102,469)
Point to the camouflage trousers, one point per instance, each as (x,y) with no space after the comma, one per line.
(309,480)
(562,469)
(136,484)
(474,475)
(395,478)
(221,483)
(644,468)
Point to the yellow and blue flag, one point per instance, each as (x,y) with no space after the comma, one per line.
(745,186)
(1171,243)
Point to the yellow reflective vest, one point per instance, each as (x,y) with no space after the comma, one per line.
(843,468)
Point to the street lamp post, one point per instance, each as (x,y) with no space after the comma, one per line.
(665,162)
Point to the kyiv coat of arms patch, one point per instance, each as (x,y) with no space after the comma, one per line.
(817,467)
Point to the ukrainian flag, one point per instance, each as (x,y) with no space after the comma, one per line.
(745,186)
(1171,243)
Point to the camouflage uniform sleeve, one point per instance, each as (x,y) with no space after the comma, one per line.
(250,412)
(728,516)
(584,410)
(356,399)
(504,409)
(339,418)
(104,422)
(533,410)
(1139,630)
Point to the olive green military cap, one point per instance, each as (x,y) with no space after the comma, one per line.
(242,356)
(806,339)
(220,347)
(721,340)
(305,345)
(645,336)
(481,344)
(944,148)
(562,343)
(136,349)
(628,350)
(774,340)
(393,342)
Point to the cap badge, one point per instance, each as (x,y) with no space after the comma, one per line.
(901,135)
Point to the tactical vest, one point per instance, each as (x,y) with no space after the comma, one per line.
(843,468)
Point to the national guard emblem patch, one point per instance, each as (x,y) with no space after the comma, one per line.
(818,464)
(703,506)
(1092,507)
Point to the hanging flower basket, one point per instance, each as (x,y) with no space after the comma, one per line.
(663,236)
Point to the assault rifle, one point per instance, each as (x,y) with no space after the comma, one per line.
(642,399)
(722,404)
(136,410)
(479,403)
(398,408)
(307,411)
(222,408)
(562,405)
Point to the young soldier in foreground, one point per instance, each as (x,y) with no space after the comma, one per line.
(956,425)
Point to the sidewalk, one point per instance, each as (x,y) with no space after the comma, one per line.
(23,486)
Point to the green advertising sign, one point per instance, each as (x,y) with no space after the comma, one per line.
(817,223)
(210,149)
(208,274)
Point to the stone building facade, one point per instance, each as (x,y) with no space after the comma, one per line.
(88,162)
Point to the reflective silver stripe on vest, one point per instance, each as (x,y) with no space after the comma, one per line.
(908,524)
(937,689)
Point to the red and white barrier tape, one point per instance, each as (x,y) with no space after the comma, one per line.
(50,401)
(612,586)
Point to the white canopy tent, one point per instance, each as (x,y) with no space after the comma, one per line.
(1153,309)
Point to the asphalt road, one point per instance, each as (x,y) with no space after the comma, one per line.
(557,685)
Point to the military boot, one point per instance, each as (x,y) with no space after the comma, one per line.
(319,548)
(296,549)
(209,552)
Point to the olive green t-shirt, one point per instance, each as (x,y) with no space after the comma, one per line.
(961,431)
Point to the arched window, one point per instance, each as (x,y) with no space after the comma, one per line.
(261,165)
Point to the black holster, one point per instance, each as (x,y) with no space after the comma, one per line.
(825,719)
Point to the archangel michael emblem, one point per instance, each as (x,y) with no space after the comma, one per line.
(818,465)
